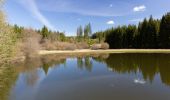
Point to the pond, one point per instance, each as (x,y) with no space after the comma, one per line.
(88,77)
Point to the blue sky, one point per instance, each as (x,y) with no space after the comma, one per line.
(67,15)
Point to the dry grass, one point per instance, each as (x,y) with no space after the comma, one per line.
(82,45)
(57,45)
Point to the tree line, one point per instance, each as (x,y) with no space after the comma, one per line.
(148,34)
(84,33)
(44,32)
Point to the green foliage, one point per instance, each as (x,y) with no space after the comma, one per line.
(91,42)
(114,39)
(79,33)
(128,36)
(62,37)
(87,31)
(100,36)
(146,35)
(165,31)
(45,32)
(18,31)
(7,40)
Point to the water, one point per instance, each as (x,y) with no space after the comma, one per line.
(95,77)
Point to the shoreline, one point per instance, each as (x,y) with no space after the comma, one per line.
(89,51)
(92,52)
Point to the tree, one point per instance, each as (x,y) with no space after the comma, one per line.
(128,37)
(148,33)
(165,31)
(18,31)
(114,38)
(62,36)
(7,39)
(87,31)
(143,34)
(86,35)
(79,33)
(100,36)
(152,31)
(45,33)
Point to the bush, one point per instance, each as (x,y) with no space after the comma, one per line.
(96,46)
(70,47)
(100,46)
(49,45)
(104,46)
(30,43)
(82,45)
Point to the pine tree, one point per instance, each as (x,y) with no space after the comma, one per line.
(45,33)
(18,31)
(165,31)
(128,37)
(79,33)
(152,32)
(86,35)
(87,31)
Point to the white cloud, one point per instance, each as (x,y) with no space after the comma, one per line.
(31,6)
(139,81)
(111,22)
(139,8)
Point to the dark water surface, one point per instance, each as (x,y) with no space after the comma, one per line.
(97,77)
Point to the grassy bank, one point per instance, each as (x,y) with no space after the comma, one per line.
(45,52)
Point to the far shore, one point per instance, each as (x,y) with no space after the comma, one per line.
(47,52)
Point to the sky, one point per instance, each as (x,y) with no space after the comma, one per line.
(67,15)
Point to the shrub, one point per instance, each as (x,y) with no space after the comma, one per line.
(82,45)
(104,46)
(100,46)
(30,43)
(70,47)
(49,45)
(96,46)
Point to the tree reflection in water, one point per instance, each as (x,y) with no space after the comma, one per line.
(148,64)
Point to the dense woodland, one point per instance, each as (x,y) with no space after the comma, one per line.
(150,33)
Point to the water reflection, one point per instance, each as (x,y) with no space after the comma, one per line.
(85,62)
(148,64)
(58,73)
(8,77)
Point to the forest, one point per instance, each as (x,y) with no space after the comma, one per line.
(148,34)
